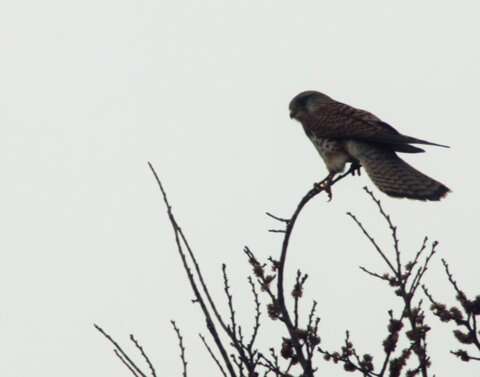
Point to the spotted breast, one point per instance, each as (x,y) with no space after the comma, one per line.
(332,152)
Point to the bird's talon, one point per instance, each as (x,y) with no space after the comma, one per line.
(355,168)
(324,185)
(328,190)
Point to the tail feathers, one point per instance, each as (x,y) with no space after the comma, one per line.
(396,178)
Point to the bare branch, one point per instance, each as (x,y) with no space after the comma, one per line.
(120,353)
(142,352)
(282,220)
(212,355)
(226,288)
(465,318)
(317,189)
(392,227)
(125,362)
(179,239)
(256,325)
(373,242)
(181,346)
(375,275)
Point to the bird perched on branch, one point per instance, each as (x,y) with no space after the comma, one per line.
(342,134)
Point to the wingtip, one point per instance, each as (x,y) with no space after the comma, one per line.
(425,142)
(437,145)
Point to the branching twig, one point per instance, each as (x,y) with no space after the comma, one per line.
(121,354)
(317,189)
(465,318)
(298,349)
(372,241)
(405,284)
(392,227)
(179,239)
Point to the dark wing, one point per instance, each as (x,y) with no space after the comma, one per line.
(337,121)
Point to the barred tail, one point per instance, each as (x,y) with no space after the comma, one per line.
(396,178)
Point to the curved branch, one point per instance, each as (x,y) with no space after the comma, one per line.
(317,189)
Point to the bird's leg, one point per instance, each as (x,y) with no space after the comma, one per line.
(326,185)
(355,167)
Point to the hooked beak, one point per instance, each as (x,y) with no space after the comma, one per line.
(293,113)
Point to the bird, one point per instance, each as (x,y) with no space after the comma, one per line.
(344,134)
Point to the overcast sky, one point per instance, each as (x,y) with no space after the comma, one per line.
(92,90)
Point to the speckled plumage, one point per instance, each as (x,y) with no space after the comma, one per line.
(343,134)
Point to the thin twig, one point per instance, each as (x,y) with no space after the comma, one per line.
(212,355)
(181,346)
(179,238)
(392,227)
(418,278)
(464,355)
(451,279)
(277,231)
(374,274)
(256,325)
(125,362)
(373,242)
(226,288)
(277,218)
(124,357)
(142,352)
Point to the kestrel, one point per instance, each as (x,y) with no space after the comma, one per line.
(342,133)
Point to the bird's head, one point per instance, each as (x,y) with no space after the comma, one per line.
(306,102)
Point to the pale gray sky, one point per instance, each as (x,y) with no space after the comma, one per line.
(91,90)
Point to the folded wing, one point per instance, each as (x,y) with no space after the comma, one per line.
(340,121)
